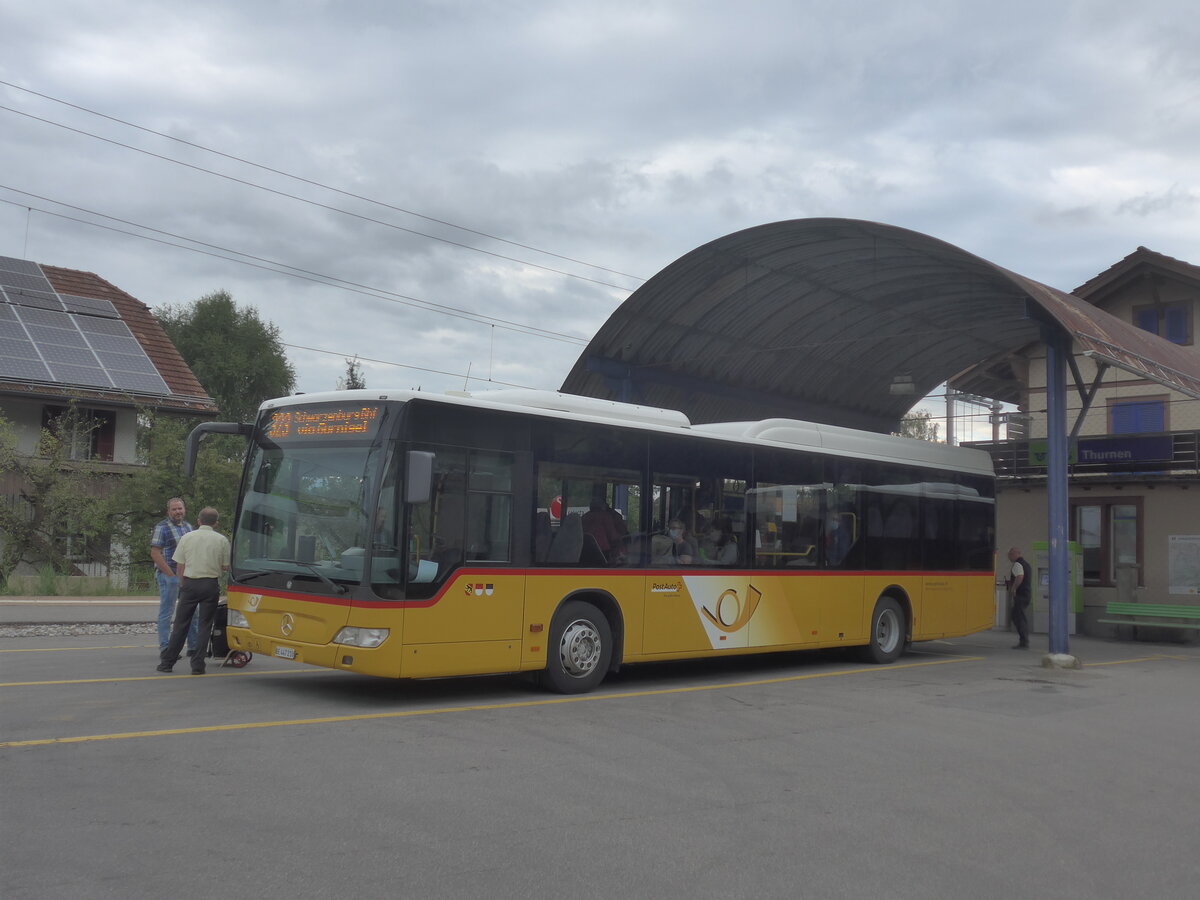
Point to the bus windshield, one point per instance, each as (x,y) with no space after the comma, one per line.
(304,516)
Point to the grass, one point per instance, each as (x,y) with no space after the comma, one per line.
(47,583)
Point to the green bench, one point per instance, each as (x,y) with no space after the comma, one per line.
(1152,614)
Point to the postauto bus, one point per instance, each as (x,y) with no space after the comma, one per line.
(411,535)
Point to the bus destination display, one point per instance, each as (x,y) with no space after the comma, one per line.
(302,423)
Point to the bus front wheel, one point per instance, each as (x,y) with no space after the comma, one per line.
(888,632)
(579,651)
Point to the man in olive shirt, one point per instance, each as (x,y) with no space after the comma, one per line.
(201,556)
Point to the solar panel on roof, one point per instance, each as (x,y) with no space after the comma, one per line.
(24,369)
(113,344)
(84,375)
(57,337)
(123,362)
(90,325)
(28,297)
(17,345)
(25,282)
(90,305)
(9,264)
(138,383)
(50,317)
(35,299)
(55,354)
(76,340)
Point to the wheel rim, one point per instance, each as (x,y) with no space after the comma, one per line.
(579,649)
(887,630)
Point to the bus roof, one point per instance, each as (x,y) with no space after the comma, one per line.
(831,439)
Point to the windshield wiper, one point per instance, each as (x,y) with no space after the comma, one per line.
(338,588)
(258,573)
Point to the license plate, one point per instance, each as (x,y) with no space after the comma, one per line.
(285,652)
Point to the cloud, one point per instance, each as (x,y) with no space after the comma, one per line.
(599,141)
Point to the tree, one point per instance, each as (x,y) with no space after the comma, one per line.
(919,425)
(58,509)
(353,380)
(237,357)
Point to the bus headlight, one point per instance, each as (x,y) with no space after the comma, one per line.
(361,637)
(237,619)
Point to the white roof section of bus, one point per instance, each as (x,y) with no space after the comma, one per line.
(577,405)
(522,399)
(831,439)
(851,442)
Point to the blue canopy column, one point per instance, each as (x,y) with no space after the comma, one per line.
(1058,351)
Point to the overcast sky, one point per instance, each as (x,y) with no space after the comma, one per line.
(579,148)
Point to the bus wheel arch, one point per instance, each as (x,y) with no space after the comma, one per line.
(584,643)
(891,627)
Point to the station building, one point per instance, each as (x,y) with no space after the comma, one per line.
(1134,464)
(849,323)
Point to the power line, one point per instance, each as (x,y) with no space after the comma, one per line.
(313,183)
(281,268)
(467,376)
(315,203)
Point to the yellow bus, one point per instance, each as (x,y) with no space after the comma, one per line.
(413,535)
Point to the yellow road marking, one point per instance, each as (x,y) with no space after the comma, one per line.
(486,707)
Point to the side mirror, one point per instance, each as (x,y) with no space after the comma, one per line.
(418,476)
(192,447)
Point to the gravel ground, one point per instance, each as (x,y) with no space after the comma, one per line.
(12,631)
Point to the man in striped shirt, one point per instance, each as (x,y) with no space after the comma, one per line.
(163,540)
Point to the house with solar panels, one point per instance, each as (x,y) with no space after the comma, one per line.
(68,336)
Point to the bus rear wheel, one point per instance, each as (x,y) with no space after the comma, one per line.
(579,650)
(888,632)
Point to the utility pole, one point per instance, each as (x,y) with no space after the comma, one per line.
(950,393)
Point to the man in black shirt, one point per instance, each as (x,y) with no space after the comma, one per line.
(1020,585)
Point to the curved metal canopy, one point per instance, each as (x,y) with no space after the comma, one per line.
(815,318)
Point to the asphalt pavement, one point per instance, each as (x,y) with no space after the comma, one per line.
(964,768)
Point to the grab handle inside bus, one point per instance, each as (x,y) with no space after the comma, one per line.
(418,477)
(197,434)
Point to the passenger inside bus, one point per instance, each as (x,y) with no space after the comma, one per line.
(600,521)
(719,545)
(674,548)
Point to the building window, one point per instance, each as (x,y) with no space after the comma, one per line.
(89,434)
(1138,415)
(1109,530)
(1172,321)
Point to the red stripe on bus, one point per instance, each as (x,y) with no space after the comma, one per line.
(471,574)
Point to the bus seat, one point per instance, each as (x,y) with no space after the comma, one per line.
(568,543)
(591,554)
(542,536)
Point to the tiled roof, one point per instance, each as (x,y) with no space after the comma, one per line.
(1094,289)
(187,395)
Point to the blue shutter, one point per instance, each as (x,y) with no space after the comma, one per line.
(1139,417)
(1175,324)
(1146,319)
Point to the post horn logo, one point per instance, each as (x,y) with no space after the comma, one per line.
(287,624)
(731,614)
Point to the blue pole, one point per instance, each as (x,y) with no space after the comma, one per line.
(1057,348)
